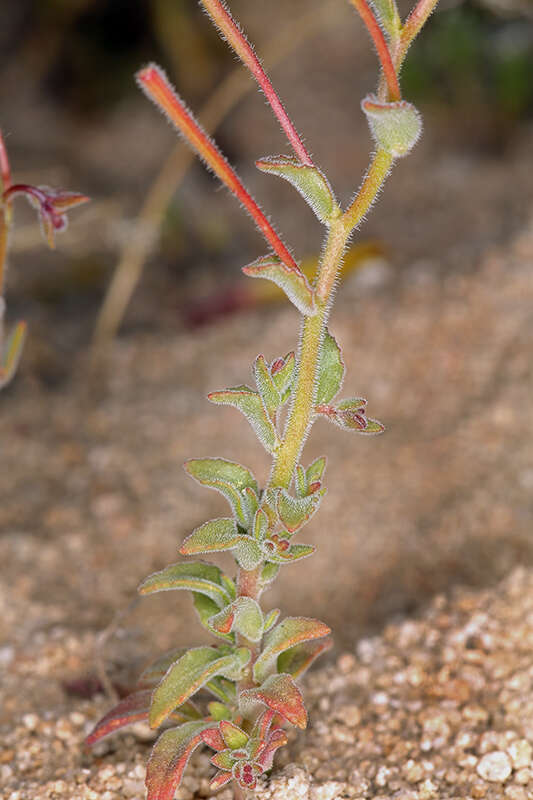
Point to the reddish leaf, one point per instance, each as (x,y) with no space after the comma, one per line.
(213,739)
(132,709)
(280,694)
(220,779)
(169,758)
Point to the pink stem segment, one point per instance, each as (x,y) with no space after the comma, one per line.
(156,86)
(5,171)
(220,14)
(381,46)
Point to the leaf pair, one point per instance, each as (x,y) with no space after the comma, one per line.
(274,384)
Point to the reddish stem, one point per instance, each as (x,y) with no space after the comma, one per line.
(413,25)
(5,171)
(381,46)
(229,29)
(156,86)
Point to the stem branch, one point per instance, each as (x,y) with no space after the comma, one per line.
(380,43)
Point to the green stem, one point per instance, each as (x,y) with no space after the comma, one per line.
(301,414)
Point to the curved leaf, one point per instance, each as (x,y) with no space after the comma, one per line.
(226,477)
(395,127)
(297,660)
(310,182)
(266,386)
(133,708)
(212,536)
(288,633)
(192,671)
(280,694)
(290,279)
(282,371)
(293,553)
(169,758)
(294,512)
(249,403)
(206,609)
(244,615)
(194,576)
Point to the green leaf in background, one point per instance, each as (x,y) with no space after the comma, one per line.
(12,352)
(296,660)
(227,477)
(250,404)
(290,279)
(331,370)
(308,181)
(288,633)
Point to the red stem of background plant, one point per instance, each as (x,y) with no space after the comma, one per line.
(154,83)
(413,25)
(381,46)
(222,18)
(5,170)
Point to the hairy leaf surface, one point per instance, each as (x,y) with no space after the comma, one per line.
(310,182)
(192,671)
(297,660)
(190,575)
(280,694)
(170,757)
(249,403)
(330,372)
(226,477)
(290,279)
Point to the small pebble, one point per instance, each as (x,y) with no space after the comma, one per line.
(494,767)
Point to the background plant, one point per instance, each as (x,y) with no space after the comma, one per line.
(246,685)
(52,207)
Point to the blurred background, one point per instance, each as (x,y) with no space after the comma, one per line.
(434,315)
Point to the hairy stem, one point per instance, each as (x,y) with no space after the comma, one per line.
(412,27)
(229,29)
(380,43)
(156,86)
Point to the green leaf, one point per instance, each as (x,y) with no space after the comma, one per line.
(293,553)
(280,694)
(249,403)
(308,181)
(315,471)
(223,760)
(395,127)
(373,427)
(271,619)
(296,660)
(266,387)
(154,673)
(244,616)
(330,372)
(228,478)
(12,352)
(206,609)
(294,512)
(192,671)
(282,371)
(248,553)
(290,279)
(300,481)
(234,737)
(169,758)
(212,536)
(218,711)
(288,633)
(260,526)
(250,503)
(269,573)
(388,16)
(223,689)
(191,575)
